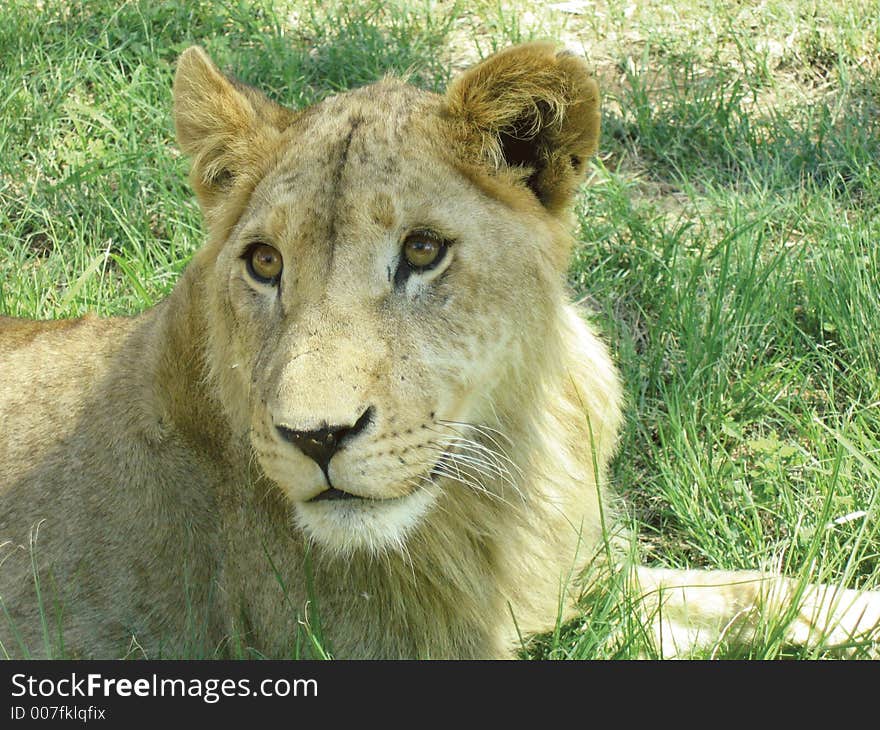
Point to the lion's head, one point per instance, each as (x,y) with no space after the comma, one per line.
(384,273)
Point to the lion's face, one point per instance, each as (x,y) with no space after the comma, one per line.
(401,296)
(372,299)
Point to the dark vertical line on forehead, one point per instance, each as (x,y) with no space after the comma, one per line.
(355,122)
(336,182)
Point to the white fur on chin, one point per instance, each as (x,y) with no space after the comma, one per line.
(374,525)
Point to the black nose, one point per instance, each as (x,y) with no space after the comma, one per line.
(320,445)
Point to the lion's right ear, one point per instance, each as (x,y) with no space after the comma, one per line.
(534,109)
(226,127)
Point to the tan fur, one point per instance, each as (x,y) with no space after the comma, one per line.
(144,483)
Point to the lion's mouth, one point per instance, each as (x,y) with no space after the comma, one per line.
(334,493)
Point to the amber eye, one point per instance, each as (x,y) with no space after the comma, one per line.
(423,251)
(264,263)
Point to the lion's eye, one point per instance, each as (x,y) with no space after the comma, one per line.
(423,251)
(264,263)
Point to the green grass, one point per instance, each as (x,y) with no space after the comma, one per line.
(729,236)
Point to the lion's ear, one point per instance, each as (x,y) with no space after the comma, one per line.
(225,126)
(534,108)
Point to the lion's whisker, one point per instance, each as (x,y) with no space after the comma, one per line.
(474,458)
(483,430)
(481,467)
(477,426)
(475,485)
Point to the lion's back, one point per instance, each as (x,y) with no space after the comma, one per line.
(47,369)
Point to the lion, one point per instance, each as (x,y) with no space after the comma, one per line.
(368,404)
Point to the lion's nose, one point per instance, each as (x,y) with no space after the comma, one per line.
(320,445)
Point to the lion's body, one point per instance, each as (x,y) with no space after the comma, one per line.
(169,537)
(159,487)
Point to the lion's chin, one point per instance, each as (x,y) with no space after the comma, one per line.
(372,525)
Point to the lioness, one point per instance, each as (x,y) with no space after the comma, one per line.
(368,398)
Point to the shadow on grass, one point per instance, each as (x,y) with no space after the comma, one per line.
(687,124)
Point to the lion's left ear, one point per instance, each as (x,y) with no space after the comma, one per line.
(534,108)
(226,127)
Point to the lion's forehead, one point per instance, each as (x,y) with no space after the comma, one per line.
(369,129)
(360,140)
(351,177)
